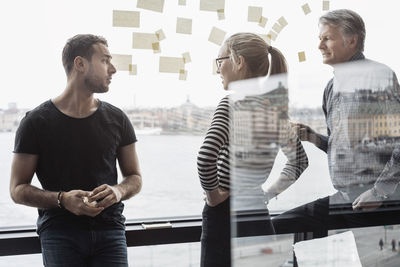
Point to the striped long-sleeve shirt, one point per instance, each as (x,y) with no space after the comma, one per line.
(213,160)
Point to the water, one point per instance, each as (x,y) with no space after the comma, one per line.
(170,183)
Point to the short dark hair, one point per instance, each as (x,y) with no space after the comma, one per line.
(79,45)
(349,22)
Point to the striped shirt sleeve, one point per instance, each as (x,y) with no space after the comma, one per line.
(215,144)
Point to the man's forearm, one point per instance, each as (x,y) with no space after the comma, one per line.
(130,186)
(30,195)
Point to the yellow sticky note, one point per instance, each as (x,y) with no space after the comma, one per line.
(182,75)
(153,5)
(254,13)
(143,40)
(325,5)
(272,35)
(132,69)
(184,25)
(121,62)
(212,5)
(282,21)
(182,2)
(156,47)
(221,14)
(160,35)
(216,36)
(123,18)
(306,9)
(186,57)
(302,56)
(277,27)
(171,64)
(263,21)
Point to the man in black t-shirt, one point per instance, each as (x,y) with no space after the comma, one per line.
(72,143)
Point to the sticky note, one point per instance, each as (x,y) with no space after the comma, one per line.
(182,2)
(132,69)
(184,25)
(186,57)
(263,21)
(182,75)
(122,18)
(216,36)
(221,14)
(282,21)
(212,5)
(153,5)
(325,5)
(272,35)
(302,56)
(277,27)
(306,9)
(171,64)
(156,47)
(160,35)
(121,62)
(143,40)
(254,13)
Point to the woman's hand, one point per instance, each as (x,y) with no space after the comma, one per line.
(216,196)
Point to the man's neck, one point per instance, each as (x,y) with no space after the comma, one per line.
(76,101)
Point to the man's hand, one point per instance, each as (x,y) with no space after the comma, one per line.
(73,202)
(367,201)
(105,195)
(305,133)
(215,197)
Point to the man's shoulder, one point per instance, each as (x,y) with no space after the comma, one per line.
(111,110)
(40,111)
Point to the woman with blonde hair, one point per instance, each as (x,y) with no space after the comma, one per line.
(242,56)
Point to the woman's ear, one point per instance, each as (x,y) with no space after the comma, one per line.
(241,63)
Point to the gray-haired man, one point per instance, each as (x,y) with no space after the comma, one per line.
(362,158)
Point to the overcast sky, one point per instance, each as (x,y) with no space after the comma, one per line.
(34,33)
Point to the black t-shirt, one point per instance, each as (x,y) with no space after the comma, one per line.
(75,154)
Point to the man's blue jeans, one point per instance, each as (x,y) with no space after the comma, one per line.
(65,244)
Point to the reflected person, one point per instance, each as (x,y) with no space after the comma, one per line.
(351,101)
(242,56)
(72,143)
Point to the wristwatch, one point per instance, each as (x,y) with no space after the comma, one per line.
(377,195)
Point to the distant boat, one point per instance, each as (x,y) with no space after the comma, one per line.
(148,131)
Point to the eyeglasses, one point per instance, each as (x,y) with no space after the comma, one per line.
(218,61)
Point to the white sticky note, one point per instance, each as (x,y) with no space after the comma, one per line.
(272,35)
(221,14)
(153,5)
(123,18)
(302,56)
(171,64)
(282,21)
(216,36)
(334,250)
(184,25)
(325,5)
(306,9)
(262,22)
(277,27)
(183,75)
(121,62)
(132,69)
(143,40)
(186,57)
(182,2)
(254,13)
(160,35)
(212,5)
